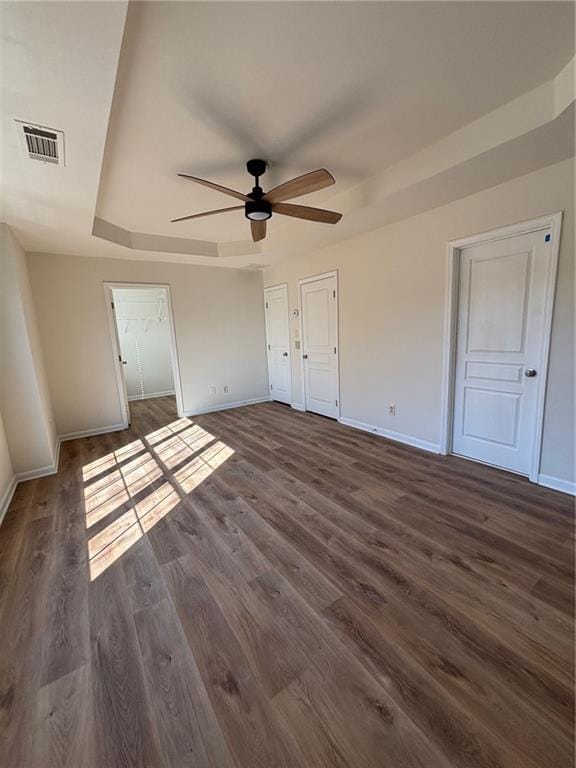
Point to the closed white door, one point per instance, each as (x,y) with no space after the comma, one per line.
(278,340)
(319,304)
(499,349)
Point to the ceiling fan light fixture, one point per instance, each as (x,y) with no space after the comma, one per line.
(258,210)
(259,205)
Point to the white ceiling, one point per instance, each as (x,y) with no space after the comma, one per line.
(58,64)
(352,87)
(202,87)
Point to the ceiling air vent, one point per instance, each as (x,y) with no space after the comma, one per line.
(41,143)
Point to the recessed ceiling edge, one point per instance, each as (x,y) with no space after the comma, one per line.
(142,241)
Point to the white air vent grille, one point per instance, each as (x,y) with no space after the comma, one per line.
(41,143)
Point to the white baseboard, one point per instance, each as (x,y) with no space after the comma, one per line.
(49,469)
(93,432)
(297,406)
(7,497)
(52,469)
(557,484)
(415,442)
(152,395)
(32,474)
(227,406)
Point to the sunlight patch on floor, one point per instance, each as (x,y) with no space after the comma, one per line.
(110,554)
(156,506)
(183,446)
(109,493)
(198,469)
(170,429)
(98,508)
(96,468)
(120,478)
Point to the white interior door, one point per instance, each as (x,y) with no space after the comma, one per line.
(319,302)
(500,342)
(278,340)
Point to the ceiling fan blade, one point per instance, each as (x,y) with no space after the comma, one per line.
(302,185)
(305,212)
(258,230)
(208,213)
(217,187)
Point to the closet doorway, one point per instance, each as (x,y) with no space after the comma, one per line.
(142,331)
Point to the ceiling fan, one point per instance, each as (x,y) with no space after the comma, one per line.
(259,205)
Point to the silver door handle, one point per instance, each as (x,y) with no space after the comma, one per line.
(124,362)
(530,373)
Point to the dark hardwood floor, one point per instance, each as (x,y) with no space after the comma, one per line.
(263,588)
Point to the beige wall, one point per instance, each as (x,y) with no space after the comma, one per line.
(24,395)
(219,321)
(392,296)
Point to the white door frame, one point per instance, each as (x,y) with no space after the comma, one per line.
(273,288)
(313,279)
(119,373)
(552,221)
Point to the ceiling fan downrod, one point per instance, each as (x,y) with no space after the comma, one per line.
(256,168)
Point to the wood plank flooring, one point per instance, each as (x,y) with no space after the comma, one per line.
(261,587)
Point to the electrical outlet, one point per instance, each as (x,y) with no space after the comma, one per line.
(392,409)
(225,388)
(212,389)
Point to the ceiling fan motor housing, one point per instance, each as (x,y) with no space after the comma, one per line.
(258,210)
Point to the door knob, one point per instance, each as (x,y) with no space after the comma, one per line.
(284,354)
(530,373)
(305,357)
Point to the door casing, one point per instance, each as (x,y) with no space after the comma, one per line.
(119,373)
(552,221)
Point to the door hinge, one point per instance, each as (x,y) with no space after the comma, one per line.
(334,350)
(336,402)
(268,346)
(266,305)
(271,387)
(333,294)
(120,358)
(112,305)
